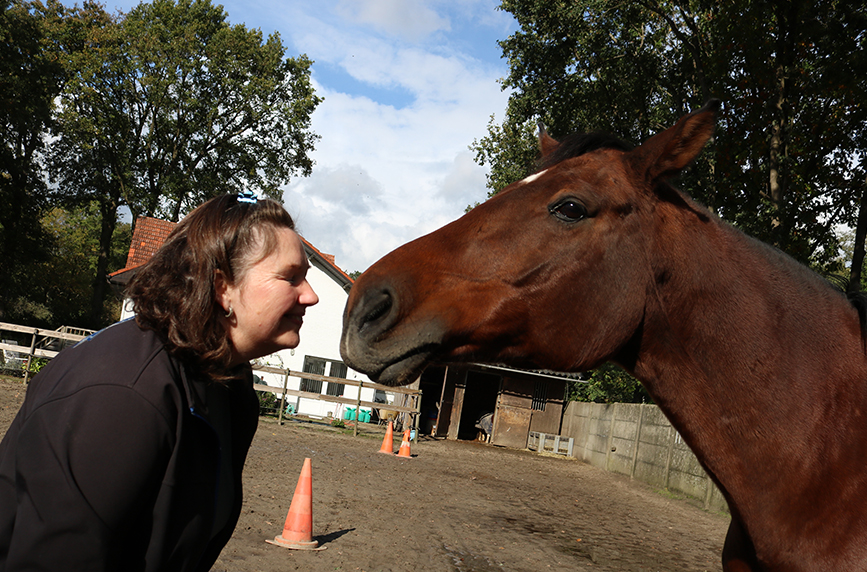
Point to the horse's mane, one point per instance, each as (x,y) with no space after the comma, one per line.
(579,144)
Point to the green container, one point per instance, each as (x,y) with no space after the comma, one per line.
(350,413)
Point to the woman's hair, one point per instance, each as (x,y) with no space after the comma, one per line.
(174,292)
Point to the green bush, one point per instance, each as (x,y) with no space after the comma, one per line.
(37,363)
(267,402)
(609,384)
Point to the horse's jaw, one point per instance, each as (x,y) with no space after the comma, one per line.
(394,366)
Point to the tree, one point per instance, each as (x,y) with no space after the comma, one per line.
(29,81)
(61,286)
(169,106)
(608,384)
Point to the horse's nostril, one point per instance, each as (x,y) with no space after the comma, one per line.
(381,308)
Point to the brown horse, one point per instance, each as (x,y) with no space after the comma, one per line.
(758,363)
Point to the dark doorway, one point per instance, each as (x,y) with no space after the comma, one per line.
(480,397)
(431,386)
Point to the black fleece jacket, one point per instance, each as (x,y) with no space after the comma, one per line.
(114,461)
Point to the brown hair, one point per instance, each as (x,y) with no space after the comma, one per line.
(174,293)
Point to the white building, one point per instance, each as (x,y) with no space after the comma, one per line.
(319,350)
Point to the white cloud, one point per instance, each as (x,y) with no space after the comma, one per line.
(463,181)
(410,20)
(385,175)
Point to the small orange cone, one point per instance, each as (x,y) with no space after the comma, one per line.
(298,530)
(388,441)
(404,446)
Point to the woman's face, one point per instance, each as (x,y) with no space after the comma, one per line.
(269,301)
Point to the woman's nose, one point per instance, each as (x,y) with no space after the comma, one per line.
(308,297)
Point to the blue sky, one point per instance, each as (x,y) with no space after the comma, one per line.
(408,86)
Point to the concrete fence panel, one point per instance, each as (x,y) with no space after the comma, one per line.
(637,440)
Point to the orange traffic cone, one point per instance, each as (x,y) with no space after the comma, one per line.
(388,441)
(404,446)
(298,530)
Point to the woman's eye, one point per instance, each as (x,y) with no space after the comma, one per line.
(569,211)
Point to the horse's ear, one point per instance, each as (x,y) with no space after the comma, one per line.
(665,154)
(547,144)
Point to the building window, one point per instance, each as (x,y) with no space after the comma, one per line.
(338,369)
(540,396)
(318,366)
(313,365)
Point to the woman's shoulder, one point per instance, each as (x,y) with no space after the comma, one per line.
(120,357)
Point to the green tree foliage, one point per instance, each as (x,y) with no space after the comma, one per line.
(608,384)
(785,164)
(168,106)
(29,81)
(61,287)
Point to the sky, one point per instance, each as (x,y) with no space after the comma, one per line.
(408,85)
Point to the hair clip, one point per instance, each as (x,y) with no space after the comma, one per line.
(248,197)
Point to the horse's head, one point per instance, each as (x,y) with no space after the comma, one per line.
(551,273)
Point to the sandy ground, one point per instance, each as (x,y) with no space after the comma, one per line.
(454,506)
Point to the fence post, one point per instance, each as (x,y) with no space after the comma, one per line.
(637,440)
(283,396)
(357,409)
(30,357)
(671,433)
(610,437)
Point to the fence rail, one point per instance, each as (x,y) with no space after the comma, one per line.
(413,395)
(38,339)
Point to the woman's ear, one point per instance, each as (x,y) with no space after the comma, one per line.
(221,291)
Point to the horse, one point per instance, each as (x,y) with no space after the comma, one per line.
(758,362)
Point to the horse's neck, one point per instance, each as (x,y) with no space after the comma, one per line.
(734,306)
(744,350)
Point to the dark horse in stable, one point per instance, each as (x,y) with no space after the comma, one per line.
(758,362)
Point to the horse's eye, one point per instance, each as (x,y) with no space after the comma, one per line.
(569,210)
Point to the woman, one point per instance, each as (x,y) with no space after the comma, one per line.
(127,452)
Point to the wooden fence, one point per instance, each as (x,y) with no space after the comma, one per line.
(40,341)
(412,395)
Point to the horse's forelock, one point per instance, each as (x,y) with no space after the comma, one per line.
(579,144)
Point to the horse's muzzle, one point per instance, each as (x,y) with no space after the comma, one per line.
(377,342)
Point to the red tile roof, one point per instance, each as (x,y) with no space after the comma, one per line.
(329,258)
(148,236)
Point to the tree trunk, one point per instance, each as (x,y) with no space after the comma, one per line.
(176,212)
(776,186)
(858,251)
(787,37)
(108,222)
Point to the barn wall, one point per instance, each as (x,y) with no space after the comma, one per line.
(512,418)
(638,441)
(549,420)
(460,379)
